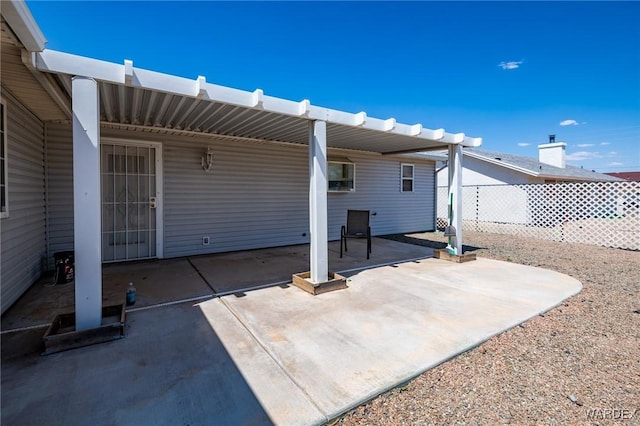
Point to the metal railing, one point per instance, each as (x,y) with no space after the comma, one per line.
(600,213)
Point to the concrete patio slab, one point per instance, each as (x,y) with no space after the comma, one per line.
(276,355)
(156,282)
(232,272)
(170,369)
(392,323)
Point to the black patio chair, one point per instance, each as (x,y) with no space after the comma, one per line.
(357,227)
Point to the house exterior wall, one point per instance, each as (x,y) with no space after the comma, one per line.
(22,233)
(59,188)
(478,172)
(256,196)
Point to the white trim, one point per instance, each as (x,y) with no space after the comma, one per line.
(59,62)
(5,142)
(412,178)
(22,23)
(159,187)
(159,203)
(329,161)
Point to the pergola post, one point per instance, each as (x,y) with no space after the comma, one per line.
(455,190)
(86,203)
(319,253)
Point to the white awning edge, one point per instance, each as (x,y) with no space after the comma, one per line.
(125,74)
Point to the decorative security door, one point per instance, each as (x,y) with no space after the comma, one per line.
(129,201)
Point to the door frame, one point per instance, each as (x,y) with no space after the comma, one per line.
(159,187)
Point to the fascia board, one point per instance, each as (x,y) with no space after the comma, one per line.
(24,26)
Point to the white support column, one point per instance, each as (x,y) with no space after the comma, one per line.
(319,256)
(455,189)
(86,202)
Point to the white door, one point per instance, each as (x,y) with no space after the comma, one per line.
(130,201)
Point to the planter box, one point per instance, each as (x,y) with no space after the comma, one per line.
(445,255)
(336,282)
(62,335)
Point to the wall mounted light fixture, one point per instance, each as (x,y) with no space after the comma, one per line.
(207,160)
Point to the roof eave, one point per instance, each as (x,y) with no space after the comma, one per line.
(24,26)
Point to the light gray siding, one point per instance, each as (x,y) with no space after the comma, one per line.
(22,233)
(60,188)
(378,190)
(256,196)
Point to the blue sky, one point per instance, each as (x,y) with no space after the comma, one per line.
(509,72)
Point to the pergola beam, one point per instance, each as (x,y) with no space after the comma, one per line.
(127,74)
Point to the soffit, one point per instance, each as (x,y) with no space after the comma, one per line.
(17,79)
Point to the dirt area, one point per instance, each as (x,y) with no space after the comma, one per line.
(577,364)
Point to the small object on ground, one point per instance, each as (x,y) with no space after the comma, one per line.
(131,295)
(637,311)
(64,263)
(574,399)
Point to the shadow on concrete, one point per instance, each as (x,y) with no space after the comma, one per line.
(170,369)
(173,366)
(425,242)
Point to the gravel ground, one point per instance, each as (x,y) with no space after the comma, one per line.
(577,364)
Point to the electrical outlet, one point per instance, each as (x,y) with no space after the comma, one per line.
(205,241)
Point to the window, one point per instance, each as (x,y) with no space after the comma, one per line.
(4,202)
(406,171)
(341,176)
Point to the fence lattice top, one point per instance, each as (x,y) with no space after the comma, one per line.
(601,213)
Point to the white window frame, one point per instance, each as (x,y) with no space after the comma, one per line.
(4,161)
(403,178)
(349,163)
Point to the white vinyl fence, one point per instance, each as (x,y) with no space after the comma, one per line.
(601,213)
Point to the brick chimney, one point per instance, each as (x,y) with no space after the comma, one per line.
(552,153)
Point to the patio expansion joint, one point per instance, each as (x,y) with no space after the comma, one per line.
(380,265)
(202,276)
(174,302)
(274,358)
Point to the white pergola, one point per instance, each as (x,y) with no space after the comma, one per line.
(123,96)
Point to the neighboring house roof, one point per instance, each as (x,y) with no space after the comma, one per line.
(634,176)
(531,166)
